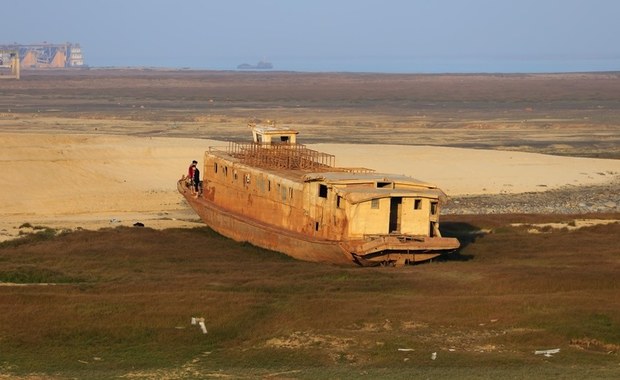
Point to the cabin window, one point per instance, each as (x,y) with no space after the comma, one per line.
(384,185)
(434,208)
(374,203)
(290,193)
(268,185)
(235,175)
(339,201)
(322,191)
(316,226)
(284,138)
(215,167)
(225,171)
(247,179)
(417,204)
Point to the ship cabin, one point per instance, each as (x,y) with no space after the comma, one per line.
(374,204)
(276,182)
(270,134)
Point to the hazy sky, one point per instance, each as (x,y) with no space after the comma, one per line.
(210,33)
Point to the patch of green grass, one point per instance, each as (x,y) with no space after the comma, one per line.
(35,275)
(594,325)
(42,234)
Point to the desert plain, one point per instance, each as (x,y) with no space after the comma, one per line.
(85,154)
(82,149)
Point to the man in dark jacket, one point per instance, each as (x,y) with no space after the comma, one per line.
(196,180)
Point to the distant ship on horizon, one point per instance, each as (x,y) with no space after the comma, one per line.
(261,65)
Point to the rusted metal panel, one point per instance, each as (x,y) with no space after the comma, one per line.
(263,235)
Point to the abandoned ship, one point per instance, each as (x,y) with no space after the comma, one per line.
(280,195)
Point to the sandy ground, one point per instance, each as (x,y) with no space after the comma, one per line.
(459,171)
(95,181)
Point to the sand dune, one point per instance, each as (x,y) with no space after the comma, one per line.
(93,181)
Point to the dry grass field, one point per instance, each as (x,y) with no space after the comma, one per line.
(117,303)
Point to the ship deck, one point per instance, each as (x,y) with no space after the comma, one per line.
(290,161)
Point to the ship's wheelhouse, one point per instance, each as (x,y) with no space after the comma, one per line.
(365,204)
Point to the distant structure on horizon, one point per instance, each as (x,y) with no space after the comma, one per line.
(46,55)
(261,65)
(9,64)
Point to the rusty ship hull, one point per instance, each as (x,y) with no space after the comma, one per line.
(279,195)
(387,249)
(240,228)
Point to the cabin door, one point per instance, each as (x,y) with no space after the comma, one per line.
(396,211)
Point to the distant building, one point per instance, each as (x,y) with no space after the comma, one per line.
(9,64)
(40,56)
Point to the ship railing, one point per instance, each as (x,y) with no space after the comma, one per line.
(281,156)
(352,170)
